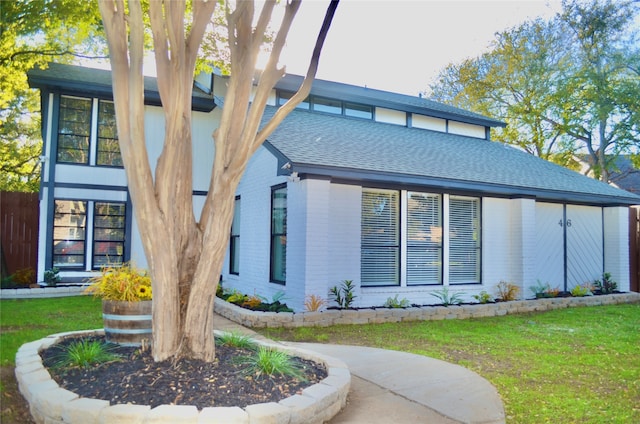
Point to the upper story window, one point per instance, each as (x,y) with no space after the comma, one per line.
(87,132)
(327,105)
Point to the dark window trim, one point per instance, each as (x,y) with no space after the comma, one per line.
(234,243)
(272,235)
(93,231)
(281,98)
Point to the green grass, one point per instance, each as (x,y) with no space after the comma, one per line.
(577,365)
(26,320)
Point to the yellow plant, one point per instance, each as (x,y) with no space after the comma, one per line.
(507,291)
(313,303)
(251,302)
(123,282)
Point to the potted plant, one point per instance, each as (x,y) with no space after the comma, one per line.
(126,303)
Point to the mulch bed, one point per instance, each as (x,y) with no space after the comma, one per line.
(139,380)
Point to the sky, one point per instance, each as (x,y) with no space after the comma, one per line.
(401,45)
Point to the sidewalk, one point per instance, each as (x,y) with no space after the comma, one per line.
(398,387)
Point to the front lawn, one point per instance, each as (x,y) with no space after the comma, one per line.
(576,365)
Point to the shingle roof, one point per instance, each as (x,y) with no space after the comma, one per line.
(373,97)
(97,82)
(358,149)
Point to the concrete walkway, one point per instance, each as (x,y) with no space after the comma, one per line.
(398,387)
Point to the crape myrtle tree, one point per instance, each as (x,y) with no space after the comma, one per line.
(185,256)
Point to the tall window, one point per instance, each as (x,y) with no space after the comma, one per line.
(74,130)
(278,234)
(108,233)
(380,252)
(424,238)
(234,241)
(464,240)
(88,234)
(77,143)
(108,149)
(69,233)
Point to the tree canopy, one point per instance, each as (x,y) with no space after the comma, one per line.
(33,33)
(567,88)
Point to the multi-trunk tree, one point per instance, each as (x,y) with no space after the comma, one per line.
(184,255)
(567,88)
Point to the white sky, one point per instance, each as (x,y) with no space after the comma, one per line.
(401,45)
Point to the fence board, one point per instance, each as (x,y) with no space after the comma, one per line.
(19,231)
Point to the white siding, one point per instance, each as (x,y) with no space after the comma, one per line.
(616,245)
(549,244)
(523,236)
(74,174)
(391,116)
(462,128)
(496,242)
(584,244)
(428,123)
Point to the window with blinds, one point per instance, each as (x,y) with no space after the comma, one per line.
(380,237)
(424,238)
(464,240)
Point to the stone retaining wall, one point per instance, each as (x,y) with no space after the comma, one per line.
(51,404)
(255,319)
(42,292)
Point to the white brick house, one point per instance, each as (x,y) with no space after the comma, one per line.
(400,194)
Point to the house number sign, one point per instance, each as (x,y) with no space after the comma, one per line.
(561,223)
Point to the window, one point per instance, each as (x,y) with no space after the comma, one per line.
(74,130)
(77,143)
(429,238)
(284,96)
(278,234)
(69,233)
(358,111)
(74,220)
(380,237)
(464,240)
(424,238)
(108,233)
(234,241)
(327,105)
(108,147)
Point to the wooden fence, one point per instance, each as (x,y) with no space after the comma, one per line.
(19,231)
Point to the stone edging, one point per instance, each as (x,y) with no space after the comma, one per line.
(255,319)
(51,404)
(42,292)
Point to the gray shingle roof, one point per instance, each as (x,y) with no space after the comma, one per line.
(358,149)
(97,82)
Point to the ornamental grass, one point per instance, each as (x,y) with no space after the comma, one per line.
(124,283)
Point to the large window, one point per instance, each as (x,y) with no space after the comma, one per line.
(429,238)
(278,267)
(77,220)
(234,241)
(108,233)
(326,105)
(424,238)
(77,141)
(69,233)
(380,252)
(464,240)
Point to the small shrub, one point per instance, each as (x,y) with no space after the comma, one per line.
(393,302)
(507,291)
(483,297)
(606,285)
(85,353)
(581,290)
(269,362)
(447,298)
(24,276)
(343,295)
(235,339)
(539,289)
(52,277)
(313,303)
(236,297)
(251,302)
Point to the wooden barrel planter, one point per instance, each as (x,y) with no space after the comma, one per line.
(127,323)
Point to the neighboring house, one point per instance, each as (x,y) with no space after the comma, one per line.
(400,194)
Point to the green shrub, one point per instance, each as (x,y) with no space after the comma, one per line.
(447,298)
(606,285)
(393,302)
(269,362)
(343,295)
(85,353)
(581,290)
(483,297)
(235,339)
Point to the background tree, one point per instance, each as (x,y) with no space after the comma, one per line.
(565,87)
(184,256)
(33,33)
